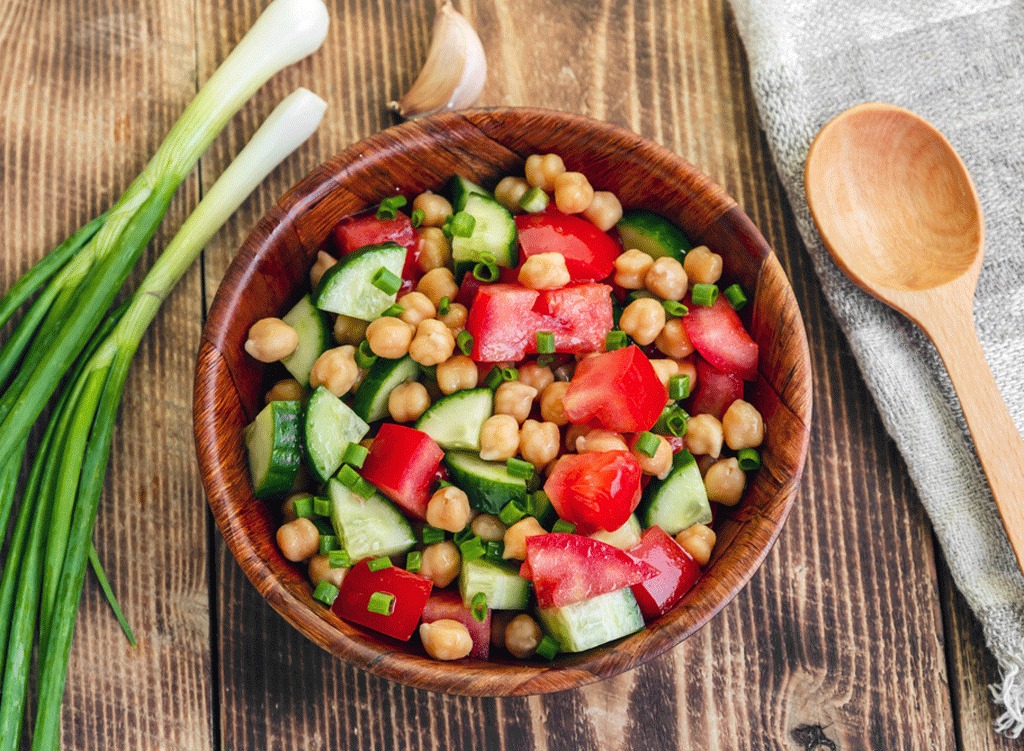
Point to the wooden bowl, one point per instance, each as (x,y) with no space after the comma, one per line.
(270,272)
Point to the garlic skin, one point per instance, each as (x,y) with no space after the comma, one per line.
(454,73)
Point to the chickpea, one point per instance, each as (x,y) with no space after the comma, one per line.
(349,330)
(665,369)
(434,343)
(336,369)
(667,279)
(509,190)
(631,269)
(285,390)
(704,435)
(438,283)
(407,401)
(499,622)
(598,440)
(573,192)
(702,266)
(418,308)
(457,373)
(539,442)
(441,563)
(435,249)
(288,507)
(643,320)
(271,339)
(488,528)
(544,271)
(552,408)
(604,211)
(515,537)
(673,340)
(698,541)
(448,509)
(541,170)
(446,639)
(323,262)
(658,465)
(534,375)
(456,317)
(742,426)
(320,570)
(389,337)
(435,208)
(725,482)
(514,398)
(522,636)
(573,434)
(298,540)
(499,438)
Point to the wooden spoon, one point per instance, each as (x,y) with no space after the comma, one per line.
(898,212)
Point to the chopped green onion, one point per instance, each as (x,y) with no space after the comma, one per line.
(545,342)
(417,217)
(443,484)
(463,535)
(616,340)
(544,360)
(339,559)
(509,374)
(472,549)
(534,200)
(430,535)
(393,311)
(413,561)
(325,593)
(519,468)
(674,308)
(563,526)
(679,386)
(355,455)
(641,294)
(444,307)
(647,444)
(736,296)
(495,550)
(364,355)
(672,421)
(749,459)
(348,477)
(379,564)
(548,648)
(486,272)
(364,488)
(704,294)
(328,543)
(494,378)
(465,342)
(459,224)
(388,208)
(479,605)
(322,506)
(381,603)
(303,507)
(386,281)
(511,513)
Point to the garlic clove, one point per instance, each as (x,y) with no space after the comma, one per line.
(455,70)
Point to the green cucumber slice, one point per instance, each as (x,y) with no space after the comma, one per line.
(275,448)
(679,501)
(347,287)
(653,234)
(371,399)
(461,189)
(625,537)
(455,421)
(588,624)
(494,233)
(488,484)
(329,428)
(314,338)
(368,527)
(500,582)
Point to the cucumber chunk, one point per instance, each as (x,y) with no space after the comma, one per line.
(500,582)
(679,501)
(488,484)
(275,448)
(461,189)
(347,287)
(494,233)
(368,527)
(371,399)
(455,421)
(329,428)
(314,338)
(653,234)
(588,624)
(625,537)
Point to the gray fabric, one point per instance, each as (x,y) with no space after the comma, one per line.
(960,65)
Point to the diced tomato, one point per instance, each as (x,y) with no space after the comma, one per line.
(445,603)
(581,317)
(677,442)
(409,590)
(589,252)
(617,390)
(597,490)
(403,464)
(571,568)
(677,572)
(718,335)
(715,390)
(502,322)
(355,233)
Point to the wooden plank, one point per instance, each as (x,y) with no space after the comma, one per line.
(87,91)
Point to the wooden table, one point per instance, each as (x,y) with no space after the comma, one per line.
(851,635)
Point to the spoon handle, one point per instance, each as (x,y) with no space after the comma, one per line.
(996,439)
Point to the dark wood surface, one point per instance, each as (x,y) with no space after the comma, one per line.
(849,637)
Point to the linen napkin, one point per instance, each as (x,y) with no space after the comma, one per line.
(958,64)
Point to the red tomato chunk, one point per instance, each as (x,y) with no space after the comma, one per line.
(715,390)
(352,234)
(571,568)
(409,590)
(677,572)
(718,335)
(589,253)
(403,464)
(448,604)
(617,391)
(597,490)
(580,317)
